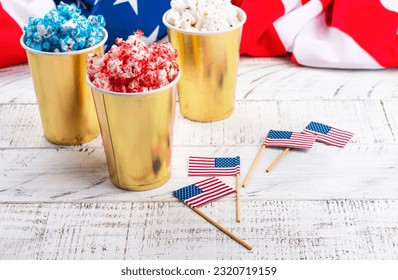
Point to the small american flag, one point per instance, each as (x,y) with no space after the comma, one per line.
(329,135)
(289,139)
(210,166)
(203,192)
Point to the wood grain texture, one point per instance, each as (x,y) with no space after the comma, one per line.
(317,230)
(16,85)
(21,128)
(258,79)
(372,121)
(358,171)
(391,113)
(278,78)
(327,203)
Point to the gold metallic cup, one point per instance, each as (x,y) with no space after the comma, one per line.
(209,66)
(66,107)
(137,133)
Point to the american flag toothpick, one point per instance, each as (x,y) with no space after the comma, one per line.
(280,138)
(253,166)
(203,192)
(287,139)
(217,166)
(325,134)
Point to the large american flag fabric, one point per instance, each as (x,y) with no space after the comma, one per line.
(203,192)
(329,135)
(289,139)
(14,14)
(319,33)
(213,166)
(323,33)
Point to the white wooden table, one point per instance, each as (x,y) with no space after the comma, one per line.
(327,203)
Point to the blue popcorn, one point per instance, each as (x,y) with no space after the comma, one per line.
(46,46)
(36,38)
(64,29)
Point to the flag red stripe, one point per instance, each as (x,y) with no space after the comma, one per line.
(213,172)
(332,141)
(206,181)
(203,198)
(210,186)
(214,169)
(201,158)
(201,161)
(200,203)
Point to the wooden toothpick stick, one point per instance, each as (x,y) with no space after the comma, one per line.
(254,164)
(238,198)
(275,162)
(224,230)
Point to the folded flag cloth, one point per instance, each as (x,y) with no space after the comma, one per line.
(122,17)
(14,14)
(323,33)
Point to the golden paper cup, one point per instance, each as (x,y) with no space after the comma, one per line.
(209,66)
(137,134)
(66,107)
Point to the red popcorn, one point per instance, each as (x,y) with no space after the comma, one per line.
(133,66)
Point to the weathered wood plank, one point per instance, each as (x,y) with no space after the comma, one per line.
(58,203)
(16,85)
(251,121)
(278,78)
(21,128)
(331,229)
(391,112)
(258,79)
(358,171)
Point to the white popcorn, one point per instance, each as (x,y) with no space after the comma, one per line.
(188,18)
(202,15)
(173,17)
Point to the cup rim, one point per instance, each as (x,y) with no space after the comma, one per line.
(241,13)
(102,42)
(135,94)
